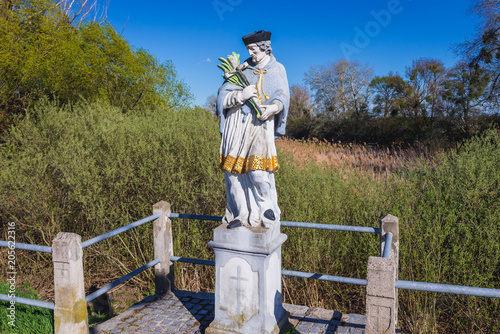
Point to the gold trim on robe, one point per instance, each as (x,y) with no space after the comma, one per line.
(254,162)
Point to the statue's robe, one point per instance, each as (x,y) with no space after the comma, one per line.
(247,152)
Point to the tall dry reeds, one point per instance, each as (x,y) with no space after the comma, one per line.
(369,158)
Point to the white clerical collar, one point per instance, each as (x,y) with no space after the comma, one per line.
(263,62)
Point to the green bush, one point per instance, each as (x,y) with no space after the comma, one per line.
(89,168)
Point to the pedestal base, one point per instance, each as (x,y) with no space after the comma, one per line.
(248,281)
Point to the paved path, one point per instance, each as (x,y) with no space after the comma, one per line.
(191,313)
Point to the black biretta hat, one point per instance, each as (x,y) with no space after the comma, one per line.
(257,36)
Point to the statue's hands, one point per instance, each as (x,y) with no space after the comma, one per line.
(248,92)
(268,111)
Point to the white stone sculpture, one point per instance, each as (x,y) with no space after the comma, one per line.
(252,105)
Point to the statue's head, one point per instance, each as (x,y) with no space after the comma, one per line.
(258,44)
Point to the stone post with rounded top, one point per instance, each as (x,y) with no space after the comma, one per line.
(70,311)
(381,292)
(163,249)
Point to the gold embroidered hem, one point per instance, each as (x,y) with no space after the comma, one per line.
(240,165)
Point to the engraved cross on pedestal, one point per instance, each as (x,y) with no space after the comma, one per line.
(238,279)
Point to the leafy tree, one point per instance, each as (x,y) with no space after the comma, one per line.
(340,88)
(464,87)
(389,93)
(43,54)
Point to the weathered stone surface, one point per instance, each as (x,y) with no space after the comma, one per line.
(70,312)
(248,239)
(381,302)
(248,280)
(390,223)
(163,248)
(380,277)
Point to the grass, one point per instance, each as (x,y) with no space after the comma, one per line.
(89,168)
(28,319)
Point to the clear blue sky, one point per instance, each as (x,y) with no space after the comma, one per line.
(193,34)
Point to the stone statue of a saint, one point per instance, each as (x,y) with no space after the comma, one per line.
(247,152)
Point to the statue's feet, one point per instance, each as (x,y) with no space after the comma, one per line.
(234,224)
(269,218)
(269,214)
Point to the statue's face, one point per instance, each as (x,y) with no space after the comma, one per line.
(255,52)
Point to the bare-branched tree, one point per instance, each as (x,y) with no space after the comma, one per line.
(340,88)
(211,104)
(483,49)
(82,10)
(300,102)
(426,76)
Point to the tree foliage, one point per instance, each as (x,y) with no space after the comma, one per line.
(44,52)
(389,93)
(483,49)
(464,87)
(340,88)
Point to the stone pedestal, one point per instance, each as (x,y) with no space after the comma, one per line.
(248,281)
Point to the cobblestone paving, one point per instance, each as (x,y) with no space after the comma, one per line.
(191,313)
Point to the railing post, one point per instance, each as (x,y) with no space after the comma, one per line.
(390,223)
(381,292)
(381,296)
(70,312)
(163,249)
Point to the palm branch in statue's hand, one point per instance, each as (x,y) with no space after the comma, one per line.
(233,73)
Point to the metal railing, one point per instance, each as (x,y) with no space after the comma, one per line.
(400,284)
(30,247)
(119,230)
(87,243)
(331,227)
(388,250)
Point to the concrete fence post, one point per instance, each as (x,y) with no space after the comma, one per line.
(381,293)
(381,296)
(70,312)
(163,249)
(390,223)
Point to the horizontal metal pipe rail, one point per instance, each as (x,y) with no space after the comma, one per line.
(197,217)
(119,230)
(28,301)
(194,261)
(448,288)
(387,247)
(345,228)
(284,272)
(339,279)
(119,281)
(408,285)
(316,226)
(30,247)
